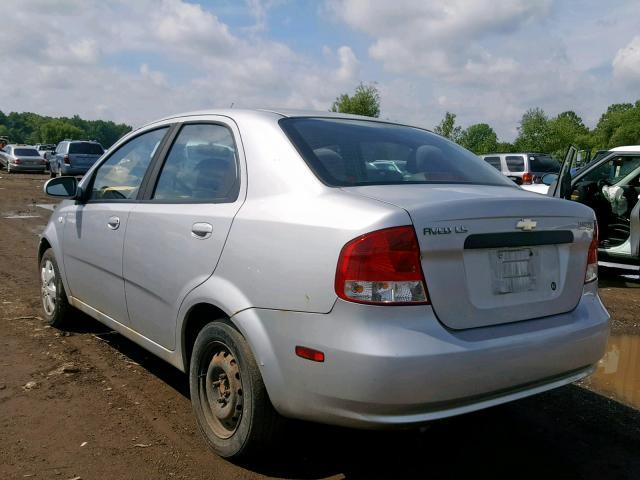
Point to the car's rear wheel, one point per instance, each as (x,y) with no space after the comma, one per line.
(54,298)
(229,398)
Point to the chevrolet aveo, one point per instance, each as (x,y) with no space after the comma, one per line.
(276,259)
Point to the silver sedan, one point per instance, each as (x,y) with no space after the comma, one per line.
(21,158)
(267,255)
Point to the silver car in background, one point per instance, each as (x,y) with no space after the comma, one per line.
(265,254)
(74,157)
(21,158)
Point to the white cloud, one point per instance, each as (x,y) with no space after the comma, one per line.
(437,38)
(86,60)
(626,64)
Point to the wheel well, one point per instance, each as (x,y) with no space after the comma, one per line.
(44,245)
(198,316)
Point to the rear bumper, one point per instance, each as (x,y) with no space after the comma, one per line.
(395,366)
(73,171)
(27,168)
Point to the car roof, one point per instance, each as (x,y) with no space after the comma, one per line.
(513,153)
(273,113)
(627,148)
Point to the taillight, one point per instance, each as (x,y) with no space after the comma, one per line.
(67,160)
(17,161)
(592,258)
(527,178)
(382,268)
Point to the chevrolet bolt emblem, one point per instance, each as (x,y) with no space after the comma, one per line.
(526,224)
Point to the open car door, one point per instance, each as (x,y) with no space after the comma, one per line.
(562,186)
(610,185)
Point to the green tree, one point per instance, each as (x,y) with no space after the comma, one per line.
(533,132)
(619,125)
(448,128)
(56,130)
(479,138)
(365,101)
(567,128)
(29,127)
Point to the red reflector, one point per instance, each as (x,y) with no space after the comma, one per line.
(527,178)
(310,354)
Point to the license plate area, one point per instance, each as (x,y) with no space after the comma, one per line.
(514,270)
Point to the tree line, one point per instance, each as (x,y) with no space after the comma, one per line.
(32,128)
(537,131)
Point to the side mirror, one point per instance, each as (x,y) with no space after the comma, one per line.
(62,187)
(550,178)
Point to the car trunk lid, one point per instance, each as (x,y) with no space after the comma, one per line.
(494,255)
(30,160)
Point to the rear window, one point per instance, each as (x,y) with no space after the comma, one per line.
(543,163)
(26,152)
(358,152)
(494,162)
(515,163)
(86,148)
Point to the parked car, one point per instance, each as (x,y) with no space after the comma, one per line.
(610,185)
(21,158)
(530,167)
(287,278)
(43,148)
(74,157)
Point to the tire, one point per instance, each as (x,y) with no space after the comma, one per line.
(54,299)
(232,407)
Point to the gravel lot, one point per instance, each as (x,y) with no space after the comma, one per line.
(88,403)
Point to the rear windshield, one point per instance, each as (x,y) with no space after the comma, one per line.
(359,152)
(543,163)
(26,152)
(86,148)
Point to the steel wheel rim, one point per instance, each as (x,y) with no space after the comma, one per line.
(221,392)
(49,290)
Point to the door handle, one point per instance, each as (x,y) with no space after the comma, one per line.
(113,223)
(201,230)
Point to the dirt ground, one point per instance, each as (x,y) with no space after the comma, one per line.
(87,403)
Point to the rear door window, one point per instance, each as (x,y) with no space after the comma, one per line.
(515,163)
(200,167)
(494,162)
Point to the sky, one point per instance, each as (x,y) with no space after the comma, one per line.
(487,61)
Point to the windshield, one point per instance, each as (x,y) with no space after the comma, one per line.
(86,148)
(26,152)
(543,163)
(359,152)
